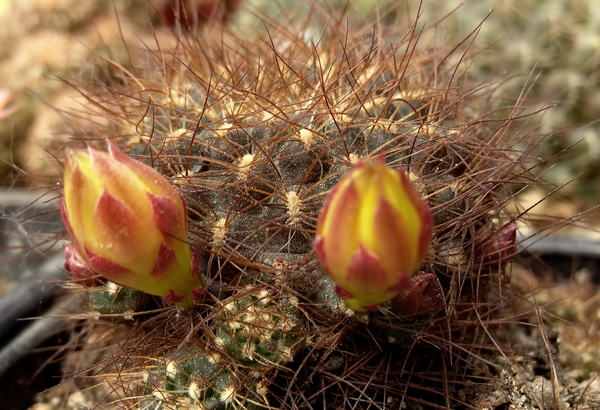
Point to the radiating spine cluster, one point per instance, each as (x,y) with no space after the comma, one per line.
(260,330)
(191,377)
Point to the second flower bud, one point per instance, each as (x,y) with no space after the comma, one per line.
(372,234)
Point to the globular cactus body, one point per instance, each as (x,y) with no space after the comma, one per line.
(255,134)
(259,330)
(192,378)
(116,302)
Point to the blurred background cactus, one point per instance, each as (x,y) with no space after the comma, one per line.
(255,127)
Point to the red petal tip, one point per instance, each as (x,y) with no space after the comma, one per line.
(403,283)
(168,217)
(365,270)
(164,260)
(320,251)
(342,293)
(79,269)
(372,308)
(173,297)
(194,265)
(106,268)
(112,147)
(197,294)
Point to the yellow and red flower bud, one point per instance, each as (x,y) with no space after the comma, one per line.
(372,234)
(128,224)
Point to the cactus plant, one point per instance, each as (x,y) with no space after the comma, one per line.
(116,302)
(257,329)
(255,133)
(191,377)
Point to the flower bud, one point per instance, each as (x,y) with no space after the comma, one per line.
(128,224)
(494,247)
(424,296)
(372,234)
(188,13)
